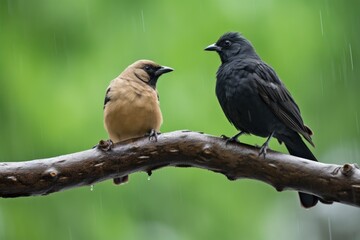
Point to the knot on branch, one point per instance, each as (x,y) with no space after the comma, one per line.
(51,173)
(206,152)
(348,169)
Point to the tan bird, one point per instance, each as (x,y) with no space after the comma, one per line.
(131,107)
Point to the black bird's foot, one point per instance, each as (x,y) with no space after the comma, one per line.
(263,149)
(153,134)
(233,139)
(224,137)
(265,146)
(121,180)
(104,145)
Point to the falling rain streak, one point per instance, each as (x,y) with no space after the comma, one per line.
(70,234)
(142,20)
(351,57)
(329,226)
(322,84)
(149,173)
(321,25)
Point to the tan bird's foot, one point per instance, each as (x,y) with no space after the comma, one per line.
(105,145)
(153,134)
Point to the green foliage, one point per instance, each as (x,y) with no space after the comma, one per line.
(57,58)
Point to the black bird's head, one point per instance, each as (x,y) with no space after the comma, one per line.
(232,44)
(148,71)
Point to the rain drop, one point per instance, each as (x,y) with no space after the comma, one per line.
(91,187)
(329,226)
(142,20)
(149,173)
(321,24)
(70,234)
(351,57)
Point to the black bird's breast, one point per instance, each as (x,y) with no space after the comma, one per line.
(238,96)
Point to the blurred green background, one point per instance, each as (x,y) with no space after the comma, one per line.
(57,58)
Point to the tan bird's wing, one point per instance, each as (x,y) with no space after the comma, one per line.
(107,98)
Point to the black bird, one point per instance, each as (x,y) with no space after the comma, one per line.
(255,100)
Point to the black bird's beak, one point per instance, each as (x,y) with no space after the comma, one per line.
(163,70)
(213,47)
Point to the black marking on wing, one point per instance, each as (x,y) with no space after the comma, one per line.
(107,98)
(279,99)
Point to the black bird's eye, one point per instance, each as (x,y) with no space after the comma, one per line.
(227,43)
(147,67)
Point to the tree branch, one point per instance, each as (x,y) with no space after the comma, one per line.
(181,148)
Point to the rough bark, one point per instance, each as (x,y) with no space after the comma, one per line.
(182,149)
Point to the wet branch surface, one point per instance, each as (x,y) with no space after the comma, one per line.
(182,149)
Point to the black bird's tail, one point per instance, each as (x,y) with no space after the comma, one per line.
(296,147)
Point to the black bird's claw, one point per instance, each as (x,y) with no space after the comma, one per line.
(265,146)
(233,139)
(105,145)
(153,134)
(224,137)
(263,150)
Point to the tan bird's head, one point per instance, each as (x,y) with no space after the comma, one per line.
(147,71)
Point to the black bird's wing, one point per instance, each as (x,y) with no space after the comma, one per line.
(279,99)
